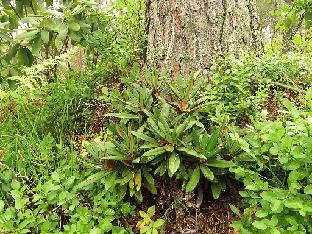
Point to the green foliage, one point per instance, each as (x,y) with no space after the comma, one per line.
(300,11)
(45,31)
(66,199)
(242,87)
(275,166)
(118,37)
(147,225)
(39,119)
(163,127)
(44,186)
(33,32)
(294,25)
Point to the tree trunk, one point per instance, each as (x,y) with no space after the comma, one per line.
(187,35)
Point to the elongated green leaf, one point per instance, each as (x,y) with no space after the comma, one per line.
(120,146)
(173,163)
(180,84)
(150,182)
(1,205)
(149,146)
(147,76)
(211,143)
(114,154)
(290,106)
(91,180)
(213,152)
(78,9)
(144,137)
(149,178)
(244,145)
(121,130)
(186,125)
(34,6)
(175,91)
(207,172)
(200,82)
(138,180)
(181,128)
(161,169)
(213,140)
(153,126)
(163,125)
(151,187)
(169,148)
(122,115)
(216,190)
(200,101)
(195,176)
(192,123)
(188,90)
(191,152)
(235,210)
(155,152)
(126,178)
(220,163)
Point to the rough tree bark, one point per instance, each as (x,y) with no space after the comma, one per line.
(187,35)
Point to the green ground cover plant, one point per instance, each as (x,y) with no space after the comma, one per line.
(66,201)
(274,165)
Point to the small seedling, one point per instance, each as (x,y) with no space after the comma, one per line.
(147,225)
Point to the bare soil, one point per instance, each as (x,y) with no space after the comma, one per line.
(183,213)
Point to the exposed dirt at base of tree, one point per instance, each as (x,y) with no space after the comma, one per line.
(215,217)
(183,213)
(98,119)
(273,107)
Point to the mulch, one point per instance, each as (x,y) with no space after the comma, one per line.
(182,212)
